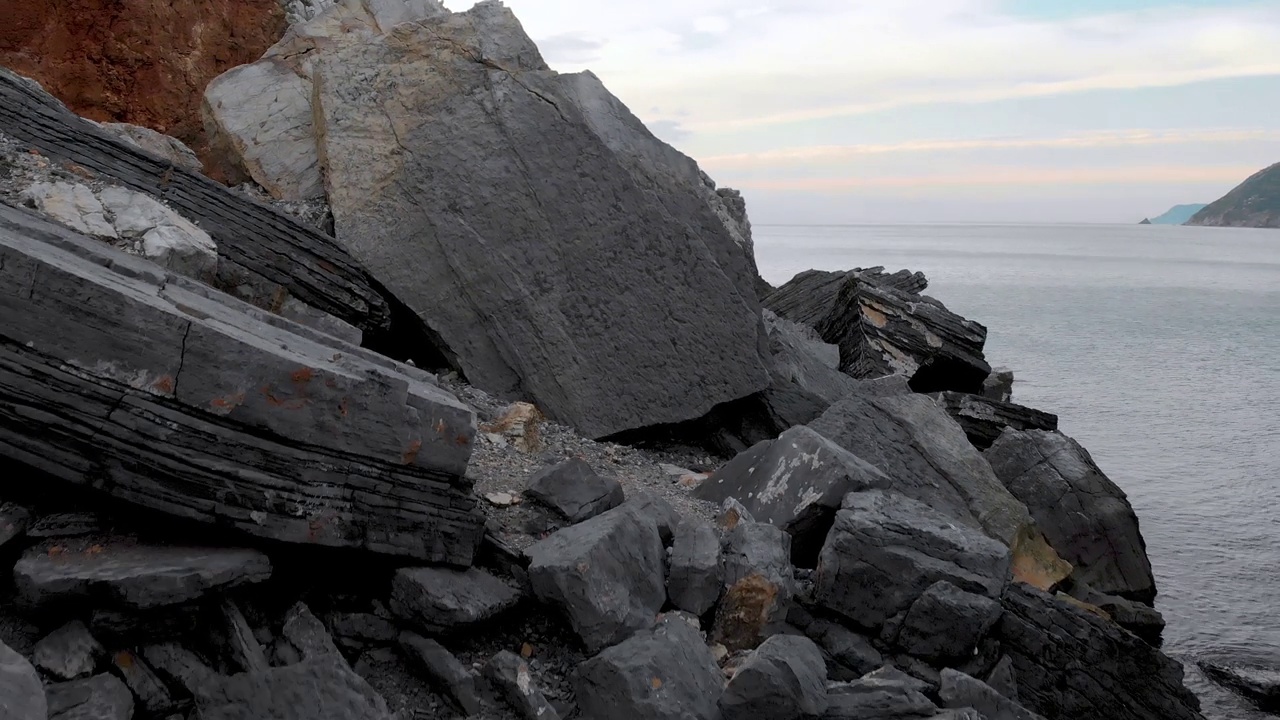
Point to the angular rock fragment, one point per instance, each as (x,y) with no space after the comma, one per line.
(305,632)
(885,550)
(759,585)
(13,522)
(71,204)
(961,691)
(134,576)
(70,524)
(999,385)
(162,235)
(871,698)
(442,670)
(179,667)
(1003,680)
(316,689)
(662,673)
(732,512)
(238,641)
(69,653)
(157,144)
(510,675)
(441,599)
(784,679)
(574,490)
(142,680)
(804,371)
(22,697)
(983,419)
(1142,620)
(362,628)
(696,577)
(852,653)
(606,575)
(947,623)
(101,697)
(1085,516)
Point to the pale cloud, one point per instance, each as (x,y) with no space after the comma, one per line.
(1019,177)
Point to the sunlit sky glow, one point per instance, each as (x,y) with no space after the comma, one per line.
(941,110)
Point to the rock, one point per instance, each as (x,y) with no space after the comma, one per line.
(605,575)
(503,499)
(731,514)
(520,423)
(135,576)
(157,144)
(874,698)
(999,385)
(440,599)
(142,680)
(262,252)
(71,204)
(1142,620)
(983,419)
(1002,678)
(805,377)
(238,641)
(759,585)
(99,342)
(911,439)
(848,650)
(1085,516)
(163,236)
(304,314)
(444,671)
(696,577)
(14,520)
(574,490)
(101,697)
(961,691)
(784,679)
(364,628)
(885,550)
(1258,683)
(648,504)
(180,668)
(305,632)
(947,623)
(510,676)
(884,326)
(321,688)
(22,696)
(69,653)
(795,482)
(1072,664)
(59,525)
(663,673)
(488,273)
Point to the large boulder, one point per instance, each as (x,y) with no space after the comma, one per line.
(759,585)
(21,694)
(172,396)
(784,679)
(528,245)
(947,623)
(804,371)
(884,326)
(322,688)
(663,673)
(605,575)
(885,550)
(958,690)
(1071,664)
(1085,516)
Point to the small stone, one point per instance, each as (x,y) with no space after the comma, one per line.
(719,652)
(732,512)
(70,652)
(502,499)
(574,490)
(362,627)
(520,424)
(526,651)
(511,677)
(441,599)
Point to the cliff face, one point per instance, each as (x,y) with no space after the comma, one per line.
(1254,203)
(100,56)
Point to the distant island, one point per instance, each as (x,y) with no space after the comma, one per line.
(1254,203)
(1176,215)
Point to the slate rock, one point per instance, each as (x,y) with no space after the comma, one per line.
(1070,663)
(947,623)
(69,653)
(606,575)
(1083,514)
(1142,620)
(476,243)
(101,697)
(362,628)
(804,373)
(648,504)
(1259,683)
(147,687)
(70,524)
(135,576)
(510,675)
(885,550)
(574,490)
(442,599)
(845,648)
(999,385)
(180,668)
(237,640)
(322,688)
(1002,678)
(22,696)
(305,632)
(663,673)
(157,144)
(731,513)
(911,439)
(784,679)
(696,576)
(958,690)
(759,585)
(13,522)
(442,670)
(983,419)
(876,699)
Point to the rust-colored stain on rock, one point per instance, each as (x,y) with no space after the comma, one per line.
(745,613)
(227,403)
(302,375)
(144,62)
(411,455)
(164,385)
(283,403)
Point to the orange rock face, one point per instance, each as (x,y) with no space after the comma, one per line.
(144,62)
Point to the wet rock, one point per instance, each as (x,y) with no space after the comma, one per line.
(441,599)
(69,653)
(22,697)
(696,577)
(13,522)
(759,585)
(947,623)
(961,691)
(911,439)
(662,673)
(510,676)
(574,490)
(606,575)
(885,550)
(101,697)
(983,419)
(999,385)
(238,641)
(321,688)
(179,667)
(1085,516)
(1258,683)
(135,576)
(305,632)
(784,679)
(142,680)
(444,671)
(1070,663)
(71,204)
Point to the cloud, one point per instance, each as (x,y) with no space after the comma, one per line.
(573,48)
(1019,177)
(670,131)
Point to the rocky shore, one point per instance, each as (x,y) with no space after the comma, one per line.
(466,400)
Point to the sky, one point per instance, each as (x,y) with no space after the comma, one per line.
(852,111)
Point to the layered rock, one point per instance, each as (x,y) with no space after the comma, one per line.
(438,599)
(107,365)
(983,419)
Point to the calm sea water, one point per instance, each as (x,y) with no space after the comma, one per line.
(1159,348)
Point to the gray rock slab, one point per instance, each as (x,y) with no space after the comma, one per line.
(180,668)
(784,679)
(573,489)
(876,699)
(305,632)
(69,653)
(237,640)
(983,419)
(947,623)
(322,688)
(101,697)
(149,690)
(510,675)
(959,690)
(444,671)
(22,696)
(696,575)
(442,599)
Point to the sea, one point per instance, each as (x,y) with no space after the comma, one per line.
(1159,349)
